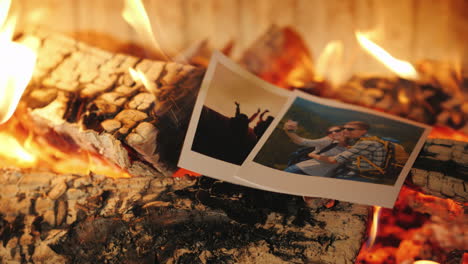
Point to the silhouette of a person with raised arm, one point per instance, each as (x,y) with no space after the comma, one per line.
(262,124)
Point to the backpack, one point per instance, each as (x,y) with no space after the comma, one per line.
(395,158)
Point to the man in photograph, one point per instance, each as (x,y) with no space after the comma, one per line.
(330,145)
(364,155)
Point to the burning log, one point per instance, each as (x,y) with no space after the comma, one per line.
(428,103)
(442,169)
(88,95)
(91,218)
(84,218)
(281,57)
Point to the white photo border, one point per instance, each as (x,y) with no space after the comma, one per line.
(340,189)
(204,164)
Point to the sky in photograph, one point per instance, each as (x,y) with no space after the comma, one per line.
(227,87)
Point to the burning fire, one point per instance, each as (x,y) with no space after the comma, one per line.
(447,133)
(15,150)
(401,68)
(139,77)
(329,63)
(30,151)
(16,65)
(135,14)
(418,226)
(20,147)
(374,226)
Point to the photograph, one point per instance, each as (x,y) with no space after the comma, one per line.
(233,110)
(320,146)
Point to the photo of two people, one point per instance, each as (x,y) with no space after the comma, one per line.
(324,148)
(339,143)
(347,152)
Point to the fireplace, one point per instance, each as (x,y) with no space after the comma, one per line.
(93,189)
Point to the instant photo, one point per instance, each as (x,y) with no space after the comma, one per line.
(322,148)
(233,110)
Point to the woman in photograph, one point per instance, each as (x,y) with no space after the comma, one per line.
(332,144)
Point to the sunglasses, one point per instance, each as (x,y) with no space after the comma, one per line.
(351,128)
(334,131)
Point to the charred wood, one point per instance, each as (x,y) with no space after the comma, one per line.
(85,219)
(442,169)
(88,95)
(426,102)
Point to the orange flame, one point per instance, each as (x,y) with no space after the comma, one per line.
(425,262)
(374,226)
(401,68)
(16,151)
(16,65)
(135,14)
(37,151)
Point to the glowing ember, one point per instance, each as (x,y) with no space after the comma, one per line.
(425,262)
(418,227)
(402,97)
(183,172)
(447,133)
(135,14)
(399,67)
(16,65)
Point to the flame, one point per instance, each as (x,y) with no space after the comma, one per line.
(329,64)
(374,226)
(4,10)
(139,77)
(16,65)
(425,262)
(401,68)
(134,13)
(15,150)
(22,148)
